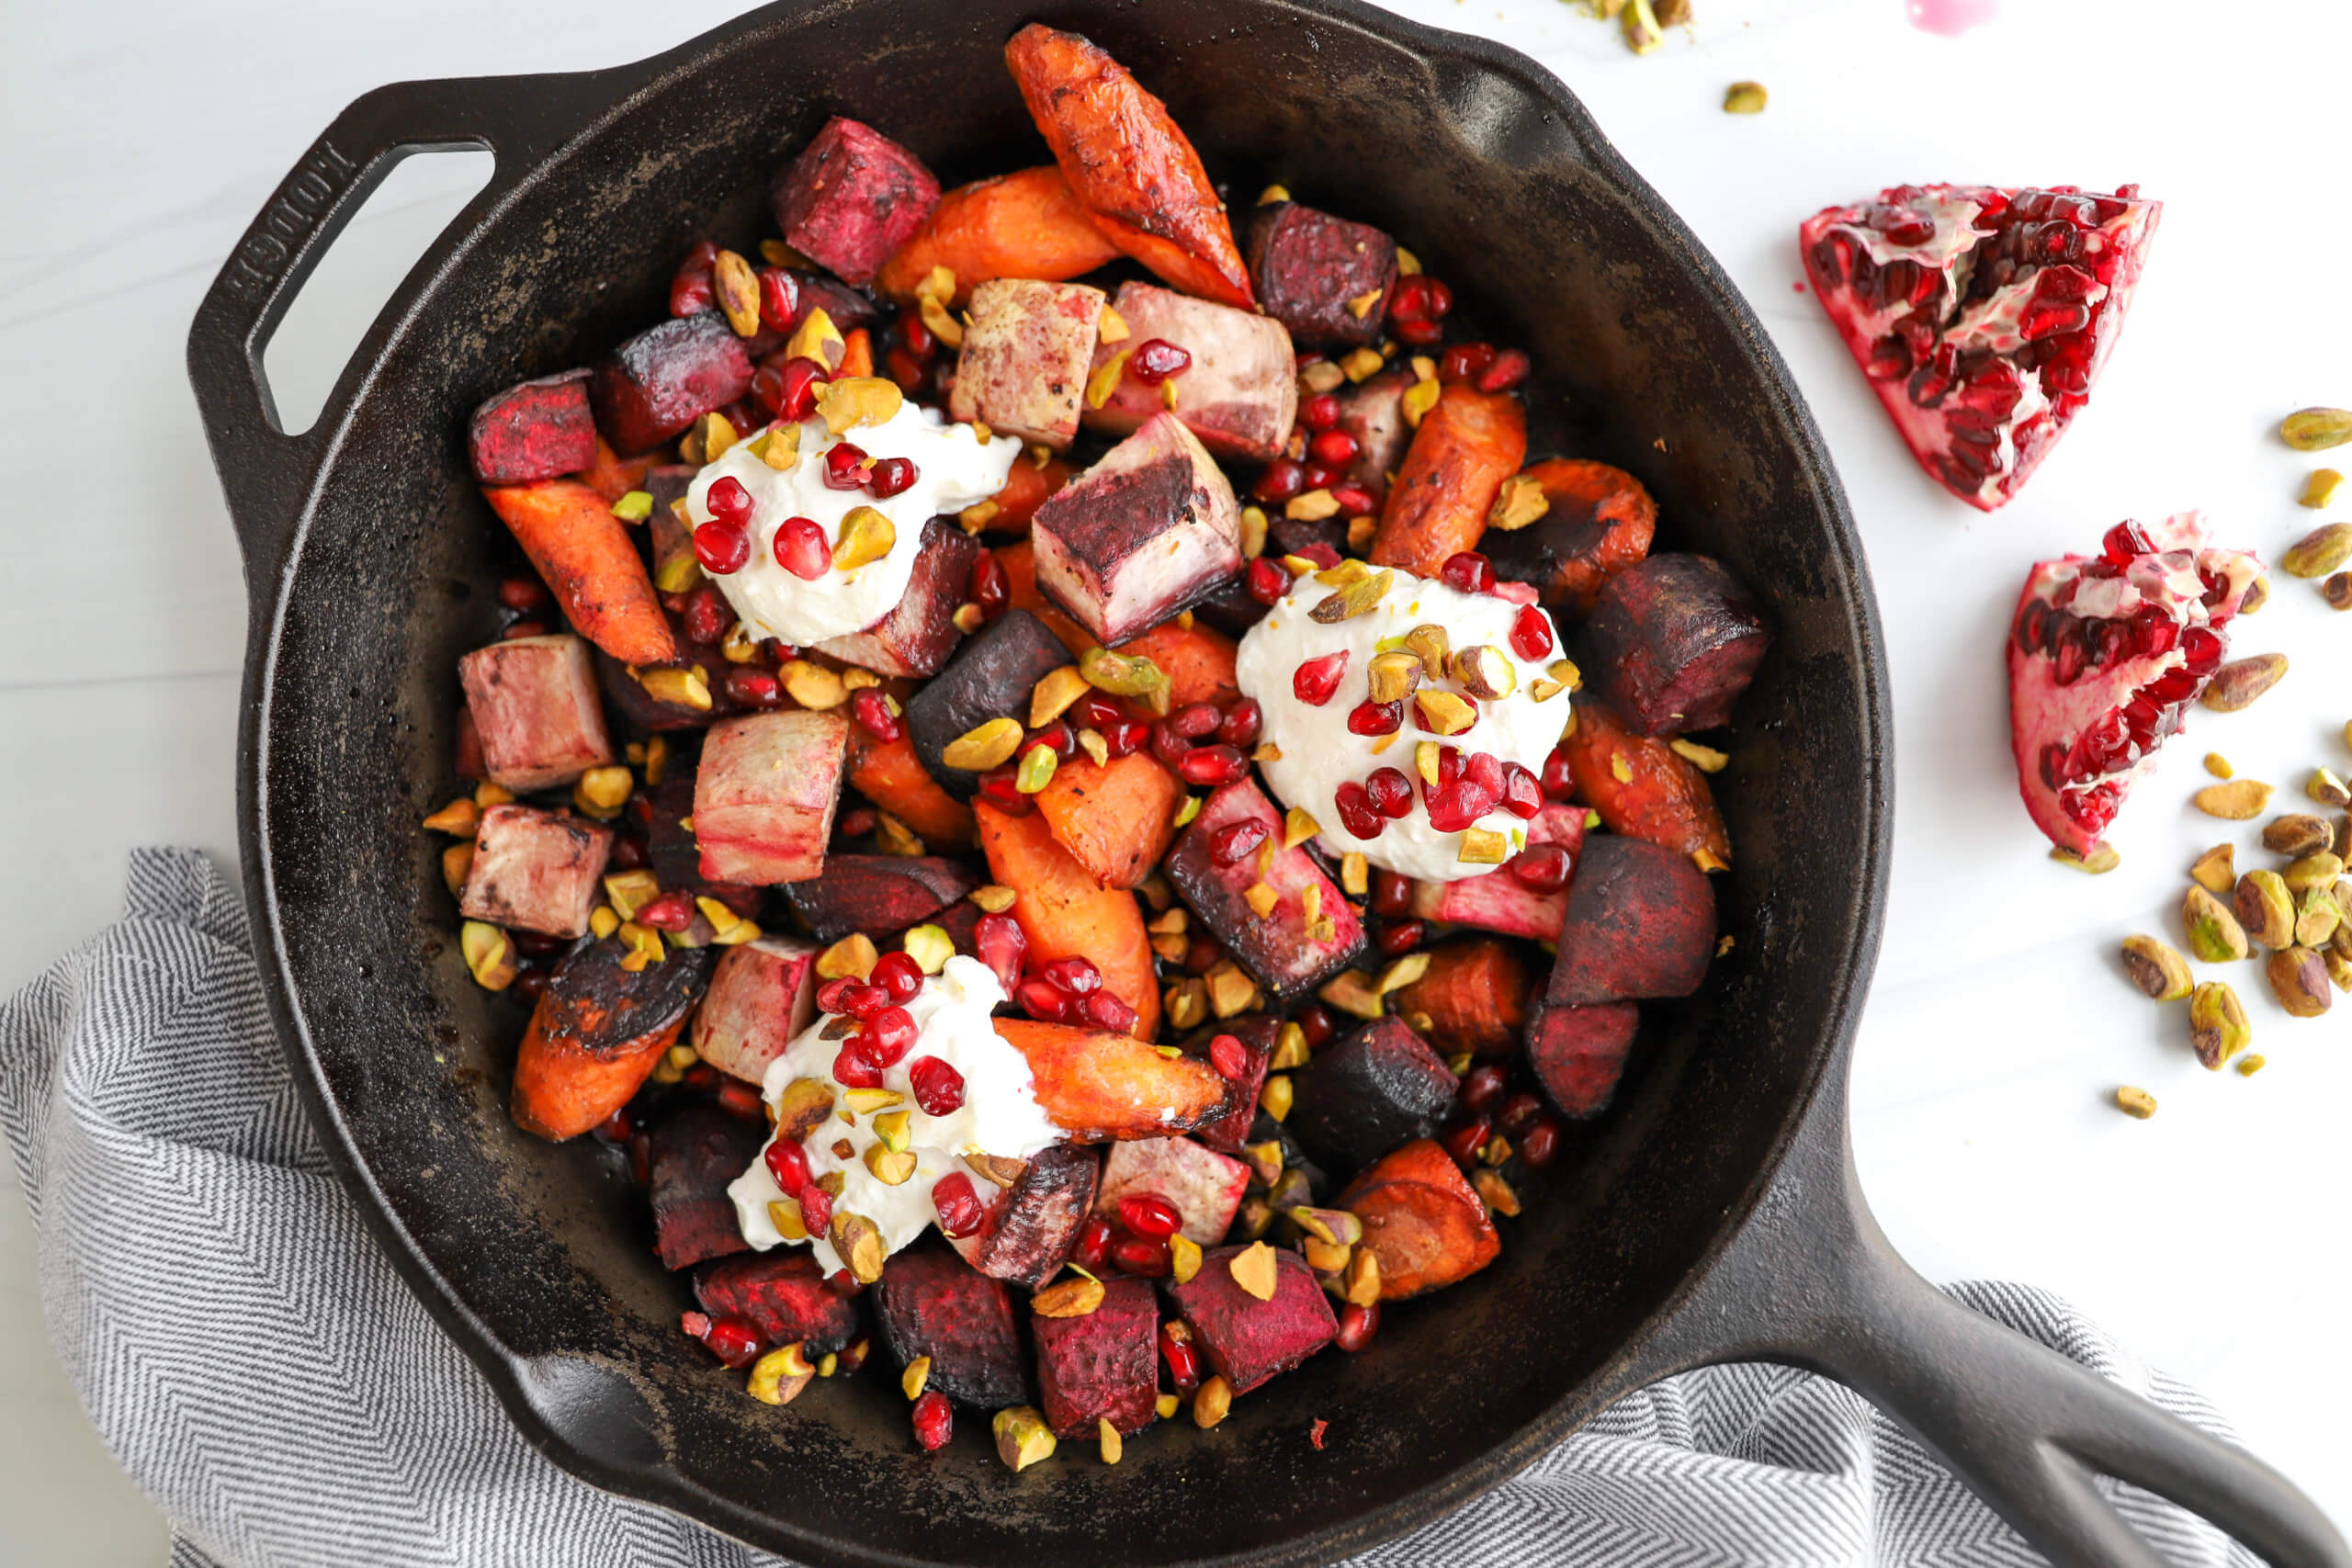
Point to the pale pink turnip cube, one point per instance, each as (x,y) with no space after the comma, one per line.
(764,796)
(1146,533)
(916,637)
(1023,369)
(1498,901)
(534,709)
(1239,395)
(1204,1186)
(534,870)
(761,994)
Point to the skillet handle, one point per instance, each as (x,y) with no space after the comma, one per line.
(266,472)
(1812,1281)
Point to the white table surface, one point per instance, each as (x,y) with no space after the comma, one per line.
(2208,1238)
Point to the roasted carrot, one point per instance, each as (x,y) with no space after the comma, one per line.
(1114,819)
(1421,1219)
(857,355)
(613,476)
(1020,562)
(1095,1085)
(586,555)
(1064,913)
(597,1032)
(1197,661)
(1128,164)
(1026,489)
(1025,224)
(1475,992)
(1642,788)
(887,773)
(1608,504)
(1466,446)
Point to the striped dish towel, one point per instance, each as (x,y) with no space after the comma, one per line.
(259,1368)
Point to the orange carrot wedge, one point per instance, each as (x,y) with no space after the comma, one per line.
(1025,224)
(1027,487)
(1066,913)
(1020,562)
(613,476)
(1115,820)
(1097,1086)
(586,555)
(597,1032)
(1421,1219)
(1197,661)
(1467,445)
(1642,788)
(888,773)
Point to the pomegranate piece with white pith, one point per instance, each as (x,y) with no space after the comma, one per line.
(1981,315)
(2105,652)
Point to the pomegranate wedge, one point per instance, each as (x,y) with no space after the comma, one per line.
(1981,316)
(2105,652)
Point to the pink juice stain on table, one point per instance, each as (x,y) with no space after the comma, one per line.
(1950,18)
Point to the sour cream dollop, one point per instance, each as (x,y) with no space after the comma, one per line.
(1000,1114)
(1319,752)
(952,470)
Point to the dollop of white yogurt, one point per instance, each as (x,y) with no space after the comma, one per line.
(1319,752)
(952,470)
(1000,1114)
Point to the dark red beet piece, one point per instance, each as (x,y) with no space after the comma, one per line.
(1276,950)
(661,380)
(1578,1053)
(1246,1340)
(696,1150)
(784,1295)
(1257,1032)
(917,638)
(1033,1227)
(992,675)
(1640,923)
(1102,1366)
(1672,643)
(877,893)
(1380,1086)
(1307,265)
(932,1302)
(852,198)
(534,430)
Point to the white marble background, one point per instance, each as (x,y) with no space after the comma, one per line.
(141,142)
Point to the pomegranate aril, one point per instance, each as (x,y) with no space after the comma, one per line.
(1557,782)
(1097,712)
(1464,361)
(672,912)
(1001,945)
(1171,747)
(1420,334)
(897,973)
(989,587)
(1390,791)
(1320,411)
(798,385)
(1241,723)
(1506,370)
(1333,448)
(889,1035)
(1468,571)
(1539,1147)
(779,299)
(1095,1239)
(1392,894)
(1541,868)
(872,711)
(691,289)
(1124,740)
(863,1000)
(708,616)
(933,1420)
(1155,359)
(802,549)
(1357,813)
(1369,717)
(734,1341)
(1232,844)
(1316,477)
(788,1162)
(830,992)
(1353,501)
(1522,792)
(845,466)
(854,1066)
(1079,977)
(1195,721)
(891,476)
(1230,1057)
(1266,582)
(1481,1087)
(1002,789)
(1357,1325)
(1315,1021)
(1282,479)
(1150,1215)
(1183,1358)
(1315,680)
(697,1324)
(1466,1140)
(1209,767)
(1104,1011)
(1043,1002)
(939,1088)
(1519,1113)
(1320,553)
(728,501)
(1530,634)
(1448,765)
(522,595)
(722,548)
(816,1209)
(1399,937)
(1141,1256)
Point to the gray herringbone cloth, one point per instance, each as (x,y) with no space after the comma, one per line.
(250,1357)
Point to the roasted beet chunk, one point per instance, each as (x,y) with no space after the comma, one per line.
(535,710)
(1202,1186)
(1325,278)
(534,871)
(931,1302)
(785,1296)
(1237,390)
(916,637)
(534,430)
(1597,523)
(1280,950)
(696,1150)
(764,794)
(762,994)
(1672,643)
(1578,1054)
(1640,923)
(1148,532)
(1258,1033)
(1023,368)
(1247,1341)
(852,198)
(990,677)
(1104,1366)
(665,377)
(877,893)
(1378,1088)
(1033,1226)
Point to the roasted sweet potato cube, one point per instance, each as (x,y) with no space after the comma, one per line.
(1325,278)
(535,710)
(1032,1226)
(1380,1086)
(1280,950)
(764,794)
(534,430)
(916,637)
(1246,1340)
(1578,1054)
(1475,994)
(784,1295)
(1022,371)
(1204,1186)
(1114,817)
(1641,786)
(661,380)
(534,870)
(1597,522)
(1498,901)
(875,894)
(931,1302)
(1258,1033)
(1421,1219)
(990,677)
(1099,1086)
(1240,394)
(1104,1366)
(852,198)
(1672,643)
(892,776)
(761,994)
(695,1152)
(597,1032)
(1640,923)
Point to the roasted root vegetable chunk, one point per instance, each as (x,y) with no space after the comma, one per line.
(1032,1226)
(597,1032)
(1063,913)
(1102,1365)
(1023,368)
(1465,447)
(1024,224)
(1258,1033)
(1197,661)
(1597,522)
(534,870)
(535,710)
(1474,993)
(1640,923)
(1247,1341)
(534,430)
(1372,413)
(877,893)
(1504,901)
(1364,1096)
(1202,1186)
(1672,643)
(611,475)
(1325,278)
(916,637)
(1421,1219)
(888,773)
(764,794)
(1114,817)
(667,377)
(784,1295)
(762,994)
(1308,931)
(1019,560)
(852,198)
(1102,1087)
(990,677)
(1642,788)
(931,1302)
(1238,389)
(1128,164)
(694,1153)
(1578,1054)
(1148,531)
(585,555)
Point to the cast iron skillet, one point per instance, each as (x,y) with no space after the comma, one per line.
(1712,1215)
